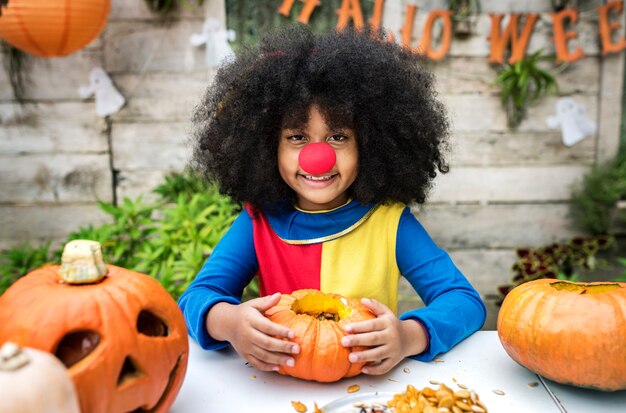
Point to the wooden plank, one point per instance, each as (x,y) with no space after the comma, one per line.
(53,78)
(497,225)
(161,96)
(58,127)
(610,110)
(465,117)
(513,148)
(159,146)
(140,46)
(507,184)
(140,182)
(40,223)
(55,178)
(475,75)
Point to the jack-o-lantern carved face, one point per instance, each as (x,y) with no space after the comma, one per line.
(123,339)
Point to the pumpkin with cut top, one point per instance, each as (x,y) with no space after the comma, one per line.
(317,320)
(572,333)
(119,333)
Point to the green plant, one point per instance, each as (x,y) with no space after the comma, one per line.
(169,238)
(20,260)
(522,83)
(462,13)
(564,261)
(594,200)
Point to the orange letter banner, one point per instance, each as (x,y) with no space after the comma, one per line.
(305,14)
(510,35)
(607,29)
(562,37)
(377,15)
(425,47)
(350,9)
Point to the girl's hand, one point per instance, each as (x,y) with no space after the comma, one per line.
(390,339)
(251,334)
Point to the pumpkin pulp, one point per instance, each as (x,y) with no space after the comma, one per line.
(321,307)
(584,288)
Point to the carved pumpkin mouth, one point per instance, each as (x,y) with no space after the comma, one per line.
(166,391)
(321,307)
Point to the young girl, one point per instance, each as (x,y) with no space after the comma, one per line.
(326,138)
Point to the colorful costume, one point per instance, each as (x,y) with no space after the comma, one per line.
(355,250)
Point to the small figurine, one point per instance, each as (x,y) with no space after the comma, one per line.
(216,40)
(575,125)
(108,99)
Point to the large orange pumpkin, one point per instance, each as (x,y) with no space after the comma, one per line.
(572,333)
(123,338)
(52,28)
(317,321)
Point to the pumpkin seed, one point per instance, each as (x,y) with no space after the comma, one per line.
(444,399)
(299,407)
(533,384)
(498,392)
(354,388)
(462,386)
(406,370)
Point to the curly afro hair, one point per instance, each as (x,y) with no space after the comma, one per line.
(358,79)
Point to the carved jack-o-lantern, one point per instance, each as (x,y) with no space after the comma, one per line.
(119,333)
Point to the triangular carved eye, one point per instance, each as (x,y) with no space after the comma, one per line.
(151,325)
(129,372)
(76,345)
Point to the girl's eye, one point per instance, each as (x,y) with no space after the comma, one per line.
(296,138)
(337,138)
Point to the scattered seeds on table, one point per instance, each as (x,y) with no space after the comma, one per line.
(533,384)
(406,370)
(299,407)
(444,399)
(462,386)
(435,382)
(438,360)
(499,392)
(354,388)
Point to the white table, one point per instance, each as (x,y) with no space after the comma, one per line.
(220,381)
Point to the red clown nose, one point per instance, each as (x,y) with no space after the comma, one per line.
(317,158)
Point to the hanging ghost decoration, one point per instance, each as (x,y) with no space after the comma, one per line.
(574,123)
(215,38)
(108,99)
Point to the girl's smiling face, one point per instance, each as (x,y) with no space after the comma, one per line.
(324,191)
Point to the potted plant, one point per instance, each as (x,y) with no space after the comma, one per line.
(522,83)
(464,15)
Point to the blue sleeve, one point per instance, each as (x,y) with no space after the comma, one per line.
(454,309)
(230,267)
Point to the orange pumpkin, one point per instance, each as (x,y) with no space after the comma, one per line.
(123,338)
(52,28)
(317,321)
(571,333)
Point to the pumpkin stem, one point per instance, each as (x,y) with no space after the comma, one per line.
(12,357)
(82,262)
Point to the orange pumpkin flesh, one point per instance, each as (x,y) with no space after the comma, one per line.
(123,339)
(318,322)
(571,333)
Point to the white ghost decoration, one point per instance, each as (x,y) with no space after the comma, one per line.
(575,125)
(108,99)
(216,40)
